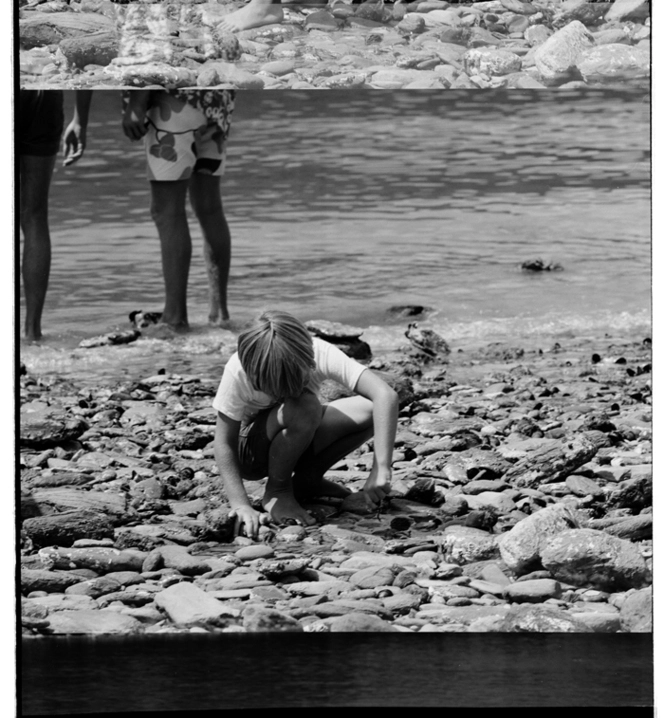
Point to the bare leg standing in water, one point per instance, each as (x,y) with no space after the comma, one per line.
(41,120)
(205,198)
(185,141)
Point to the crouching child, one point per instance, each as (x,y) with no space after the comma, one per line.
(271,423)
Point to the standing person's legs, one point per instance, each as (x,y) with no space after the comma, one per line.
(35,181)
(170,217)
(205,196)
(39,128)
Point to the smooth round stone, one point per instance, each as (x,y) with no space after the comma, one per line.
(249,553)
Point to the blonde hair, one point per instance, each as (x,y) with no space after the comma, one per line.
(277,354)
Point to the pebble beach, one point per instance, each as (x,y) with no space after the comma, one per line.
(521,501)
(426,44)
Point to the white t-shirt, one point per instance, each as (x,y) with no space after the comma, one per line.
(238,400)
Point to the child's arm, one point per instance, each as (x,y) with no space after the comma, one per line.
(225,452)
(133,120)
(385,414)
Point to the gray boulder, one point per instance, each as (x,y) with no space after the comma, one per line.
(636,612)
(628,10)
(556,57)
(586,557)
(520,548)
(615,62)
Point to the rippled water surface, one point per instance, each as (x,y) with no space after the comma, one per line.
(343,204)
(188,673)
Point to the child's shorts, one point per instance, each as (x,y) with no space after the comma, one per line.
(41,119)
(182,140)
(254,449)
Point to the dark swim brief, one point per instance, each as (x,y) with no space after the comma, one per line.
(40,122)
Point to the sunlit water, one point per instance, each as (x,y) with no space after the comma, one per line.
(344,204)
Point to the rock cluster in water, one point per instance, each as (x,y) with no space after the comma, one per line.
(521,502)
(425,44)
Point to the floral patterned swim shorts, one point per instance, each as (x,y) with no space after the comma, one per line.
(187,133)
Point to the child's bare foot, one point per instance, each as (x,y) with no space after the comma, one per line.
(283,506)
(256,14)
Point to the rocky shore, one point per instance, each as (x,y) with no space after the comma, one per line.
(425,44)
(521,502)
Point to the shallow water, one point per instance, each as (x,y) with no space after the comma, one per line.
(343,204)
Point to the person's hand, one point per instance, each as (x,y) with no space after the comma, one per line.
(249,520)
(134,120)
(377,486)
(73,142)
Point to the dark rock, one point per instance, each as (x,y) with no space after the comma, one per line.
(95,588)
(98,48)
(63,529)
(428,342)
(48,581)
(256,619)
(634,494)
(42,426)
(409,310)
(538,265)
(632,528)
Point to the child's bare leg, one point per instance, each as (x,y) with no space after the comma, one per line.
(290,428)
(346,425)
(170,216)
(255,14)
(205,196)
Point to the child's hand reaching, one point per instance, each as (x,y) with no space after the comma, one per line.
(250,519)
(377,486)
